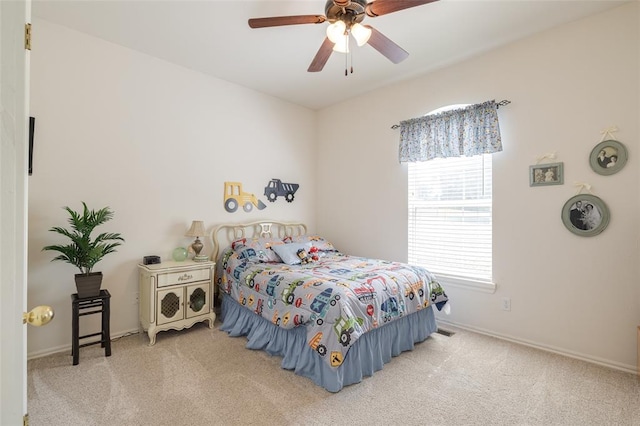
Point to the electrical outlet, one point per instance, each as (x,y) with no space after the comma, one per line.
(506,304)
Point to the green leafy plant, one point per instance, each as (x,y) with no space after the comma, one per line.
(82,251)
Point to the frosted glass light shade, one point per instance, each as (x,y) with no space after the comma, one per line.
(342,45)
(336,30)
(360,33)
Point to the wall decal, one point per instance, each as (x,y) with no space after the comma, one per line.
(234,196)
(276,188)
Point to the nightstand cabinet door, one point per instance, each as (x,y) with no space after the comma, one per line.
(197,299)
(170,305)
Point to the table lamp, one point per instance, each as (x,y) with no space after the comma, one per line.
(197,230)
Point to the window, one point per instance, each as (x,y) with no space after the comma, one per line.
(450,217)
(450,230)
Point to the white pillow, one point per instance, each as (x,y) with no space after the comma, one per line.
(289,252)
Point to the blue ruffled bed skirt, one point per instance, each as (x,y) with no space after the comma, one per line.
(368,355)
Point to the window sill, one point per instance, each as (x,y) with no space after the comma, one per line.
(466,283)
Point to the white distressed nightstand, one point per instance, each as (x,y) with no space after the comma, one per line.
(175,295)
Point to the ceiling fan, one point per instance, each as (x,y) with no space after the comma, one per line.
(345,17)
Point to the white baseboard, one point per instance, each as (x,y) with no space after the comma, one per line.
(560,351)
(67,348)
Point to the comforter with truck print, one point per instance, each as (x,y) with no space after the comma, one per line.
(336,297)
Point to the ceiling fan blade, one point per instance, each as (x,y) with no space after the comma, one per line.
(322,56)
(382,44)
(277,21)
(383,7)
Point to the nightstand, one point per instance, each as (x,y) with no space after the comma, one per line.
(175,295)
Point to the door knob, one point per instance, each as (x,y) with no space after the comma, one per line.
(40,315)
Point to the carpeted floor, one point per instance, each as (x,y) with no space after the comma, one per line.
(203,377)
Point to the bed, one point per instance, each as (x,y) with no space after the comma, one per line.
(332,317)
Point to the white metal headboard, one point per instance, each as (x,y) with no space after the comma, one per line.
(224,234)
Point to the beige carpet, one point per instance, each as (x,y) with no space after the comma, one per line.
(203,377)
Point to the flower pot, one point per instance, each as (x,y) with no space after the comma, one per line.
(88,285)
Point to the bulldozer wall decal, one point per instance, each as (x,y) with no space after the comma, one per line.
(235,196)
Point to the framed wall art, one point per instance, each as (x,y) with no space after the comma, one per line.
(608,157)
(585,215)
(546,174)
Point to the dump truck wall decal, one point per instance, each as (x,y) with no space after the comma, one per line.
(276,188)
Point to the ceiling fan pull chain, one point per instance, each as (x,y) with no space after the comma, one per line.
(351,58)
(347,53)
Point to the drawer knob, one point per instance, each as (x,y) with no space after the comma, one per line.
(185,277)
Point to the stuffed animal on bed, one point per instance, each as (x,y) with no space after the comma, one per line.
(309,257)
(314,253)
(304,256)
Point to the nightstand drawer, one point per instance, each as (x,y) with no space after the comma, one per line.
(184,277)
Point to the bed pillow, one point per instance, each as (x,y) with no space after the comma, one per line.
(256,249)
(293,253)
(315,240)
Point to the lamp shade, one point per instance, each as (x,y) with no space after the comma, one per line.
(336,30)
(360,33)
(342,45)
(196,230)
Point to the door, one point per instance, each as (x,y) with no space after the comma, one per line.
(14,106)
(170,305)
(197,299)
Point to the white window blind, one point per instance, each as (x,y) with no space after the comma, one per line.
(450,228)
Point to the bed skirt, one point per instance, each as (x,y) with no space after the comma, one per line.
(367,355)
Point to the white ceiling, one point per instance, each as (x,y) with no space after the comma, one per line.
(212,36)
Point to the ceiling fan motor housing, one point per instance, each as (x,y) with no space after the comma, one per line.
(348,11)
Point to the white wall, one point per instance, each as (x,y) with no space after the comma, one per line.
(572,294)
(155,142)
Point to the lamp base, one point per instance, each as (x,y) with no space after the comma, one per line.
(197,247)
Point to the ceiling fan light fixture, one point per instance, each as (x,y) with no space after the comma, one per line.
(360,33)
(344,17)
(335,31)
(342,45)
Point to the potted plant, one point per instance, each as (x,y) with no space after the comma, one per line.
(83,252)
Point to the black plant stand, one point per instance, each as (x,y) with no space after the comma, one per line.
(95,305)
